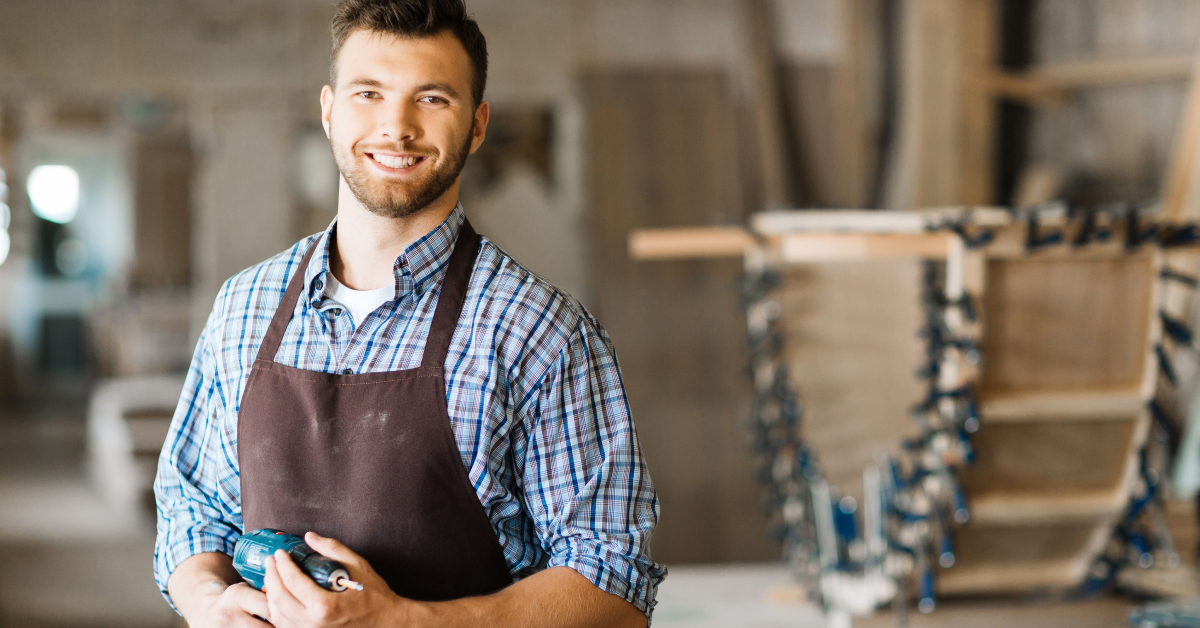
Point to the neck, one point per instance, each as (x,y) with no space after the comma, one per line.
(366,246)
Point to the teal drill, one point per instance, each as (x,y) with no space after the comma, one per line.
(252,550)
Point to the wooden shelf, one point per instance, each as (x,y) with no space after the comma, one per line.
(1083,405)
(1011,578)
(1050,83)
(997,509)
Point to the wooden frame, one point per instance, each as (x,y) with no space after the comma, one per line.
(1090,406)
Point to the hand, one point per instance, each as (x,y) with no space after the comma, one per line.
(236,607)
(295,601)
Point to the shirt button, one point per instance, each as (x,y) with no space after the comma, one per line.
(347,371)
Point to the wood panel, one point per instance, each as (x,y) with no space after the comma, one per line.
(1066,324)
(162,254)
(662,151)
(978,545)
(1048,456)
(943,154)
(852,346)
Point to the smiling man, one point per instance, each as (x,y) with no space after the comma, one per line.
(445,423)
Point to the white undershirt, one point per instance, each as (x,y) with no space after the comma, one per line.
(360,303)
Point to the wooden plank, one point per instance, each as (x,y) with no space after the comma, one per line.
(1024,509)
(851,347)
(784,222)
(1085,73)
(845,247)
(787,221)
(926,164)
(834,110)
(1067,324)
(1068,405)
(162,245)
(1181,191)
(980,29)
(1049,458)
(659,153)
(978,544)
(767,104)
(1006,578)
(690,243)
(1049,84)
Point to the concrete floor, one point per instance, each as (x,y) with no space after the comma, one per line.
(739,596)
(67,559)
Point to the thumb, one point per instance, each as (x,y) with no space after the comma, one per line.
(334,549)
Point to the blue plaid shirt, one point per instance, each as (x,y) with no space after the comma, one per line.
(533,391)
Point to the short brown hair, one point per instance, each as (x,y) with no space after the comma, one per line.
(412,18)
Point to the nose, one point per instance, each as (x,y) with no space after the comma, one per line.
(400,122)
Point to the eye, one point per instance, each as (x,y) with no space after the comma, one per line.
(438,100)
(369,95)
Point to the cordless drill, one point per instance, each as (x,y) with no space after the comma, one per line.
(253,549)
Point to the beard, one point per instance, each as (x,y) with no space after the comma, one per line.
(397,198)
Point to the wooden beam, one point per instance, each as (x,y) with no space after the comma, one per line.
(847,247)
(1050,84)
(1011,578)
(1181,195)
(1063,406)
(767,103)
(1047,507)
(1110,72)
(690,243)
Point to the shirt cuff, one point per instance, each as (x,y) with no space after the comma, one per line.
(632,580)
(194,542)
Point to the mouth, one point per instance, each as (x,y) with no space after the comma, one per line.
(396,163)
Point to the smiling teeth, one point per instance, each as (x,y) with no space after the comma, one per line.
(396,162)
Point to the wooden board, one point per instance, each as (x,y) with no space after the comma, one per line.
(661,154)
(1048,456)
(852,347)
(1066,324)
(991,545)
(162,251)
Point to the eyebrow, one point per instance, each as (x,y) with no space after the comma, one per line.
(363,81)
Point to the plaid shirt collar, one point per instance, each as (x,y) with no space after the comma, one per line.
(417,269)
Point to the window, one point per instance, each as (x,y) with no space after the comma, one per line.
(54,193)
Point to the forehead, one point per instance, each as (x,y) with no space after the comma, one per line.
(397,61)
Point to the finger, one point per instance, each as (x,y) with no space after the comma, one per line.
(298,583)
(281,603)
(250,599)
(334,549)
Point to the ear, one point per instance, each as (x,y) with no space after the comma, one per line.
(326,107)
(479,130)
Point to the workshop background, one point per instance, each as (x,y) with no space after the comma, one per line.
(150,149)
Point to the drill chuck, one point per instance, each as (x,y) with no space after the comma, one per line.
(253,549)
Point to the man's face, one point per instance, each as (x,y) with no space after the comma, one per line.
(401,119)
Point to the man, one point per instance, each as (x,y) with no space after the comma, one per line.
(430,413)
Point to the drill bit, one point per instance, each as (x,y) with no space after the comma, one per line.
(349,584)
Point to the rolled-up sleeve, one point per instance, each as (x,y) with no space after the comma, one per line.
(197,489)
(586,484)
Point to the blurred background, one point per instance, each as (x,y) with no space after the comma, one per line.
(150,149)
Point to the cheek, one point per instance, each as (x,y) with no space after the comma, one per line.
(348,127)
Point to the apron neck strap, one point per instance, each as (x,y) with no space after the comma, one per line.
(454,293)
(445,317)
(283,314)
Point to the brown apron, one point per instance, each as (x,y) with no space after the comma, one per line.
(370,459)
